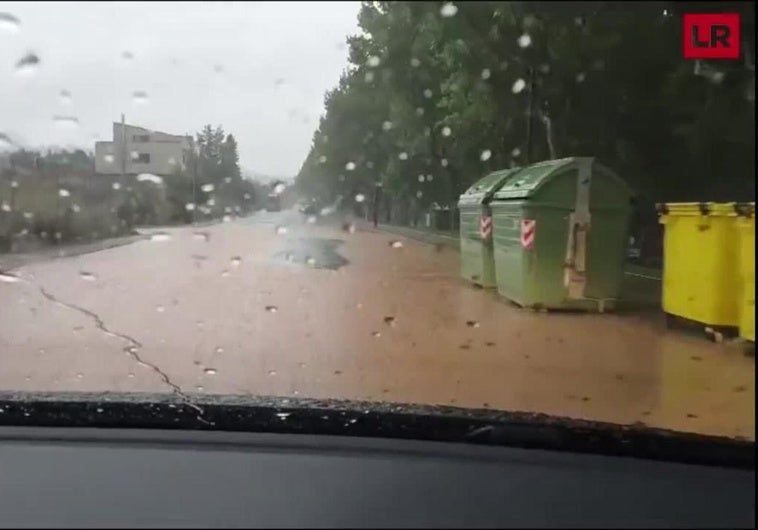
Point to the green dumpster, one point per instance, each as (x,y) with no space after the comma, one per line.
(560,233)
(477,262)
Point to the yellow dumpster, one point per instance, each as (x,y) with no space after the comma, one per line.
(700,253)
(746,236)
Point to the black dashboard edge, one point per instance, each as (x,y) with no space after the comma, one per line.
(284,415)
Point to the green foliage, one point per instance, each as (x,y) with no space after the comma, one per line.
(426,94)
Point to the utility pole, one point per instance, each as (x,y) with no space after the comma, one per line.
(529,114)
(123,149)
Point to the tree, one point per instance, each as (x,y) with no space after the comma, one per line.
(452,97)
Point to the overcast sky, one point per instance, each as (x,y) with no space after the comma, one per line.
(259,69)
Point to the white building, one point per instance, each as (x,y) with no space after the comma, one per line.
(136,150)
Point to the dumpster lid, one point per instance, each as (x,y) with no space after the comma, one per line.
(483,188)
(534,176)
(689,209)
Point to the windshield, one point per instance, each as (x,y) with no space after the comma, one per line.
(436,203)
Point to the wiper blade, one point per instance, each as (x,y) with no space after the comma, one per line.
(370,419)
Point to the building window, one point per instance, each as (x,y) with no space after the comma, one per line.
(143,158)
(141,138)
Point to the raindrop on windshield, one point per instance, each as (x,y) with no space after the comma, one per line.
(210,371)
(283,415)
(219,349)
(139,96)
(149,177)
(525,40)
(350,166)
(376,334)
(518,86)
(64,192)
(87,276)
(109,159)
(279,188)
(235,261)
(66,121)
(116,186)
(516,151)
(218,68)
(322,159)
(386,126)
(446,131)
(310,261)
(373,61)
(419,111)
(201,236)
(396,244)
(79,375)
(28,64)
(127,55)
(419,194)
(160,309)
(403,156)
(130,375)
(486,73)
(281,230)
(369,77)
(6,142)
(580,77)
(486,154)
(207,188)
(428,93)
(189,206)
(443,162)
(271,372)
(421,178)
(312,219)
(65,97)
(271,308)
(448,10)
(160,236)
(360,197)
(472,323)
(9,278)
(9,23)
(390,321)
(415,63)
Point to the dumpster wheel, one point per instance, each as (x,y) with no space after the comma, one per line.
(717,334)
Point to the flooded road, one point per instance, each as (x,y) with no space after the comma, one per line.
(273,305)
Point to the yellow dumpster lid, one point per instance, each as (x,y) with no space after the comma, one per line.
(689,209)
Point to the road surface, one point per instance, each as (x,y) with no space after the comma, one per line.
(273,305)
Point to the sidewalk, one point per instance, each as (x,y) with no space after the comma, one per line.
(432,237)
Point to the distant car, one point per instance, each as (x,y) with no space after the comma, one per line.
(273,203)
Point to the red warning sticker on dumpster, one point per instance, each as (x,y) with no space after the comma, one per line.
(485,227)
(528,230)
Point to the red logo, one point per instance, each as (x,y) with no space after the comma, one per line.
(528,230)
(485,227)
(711,35)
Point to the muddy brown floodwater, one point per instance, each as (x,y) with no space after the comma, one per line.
(317,311)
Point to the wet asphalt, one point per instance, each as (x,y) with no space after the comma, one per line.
(275,305)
